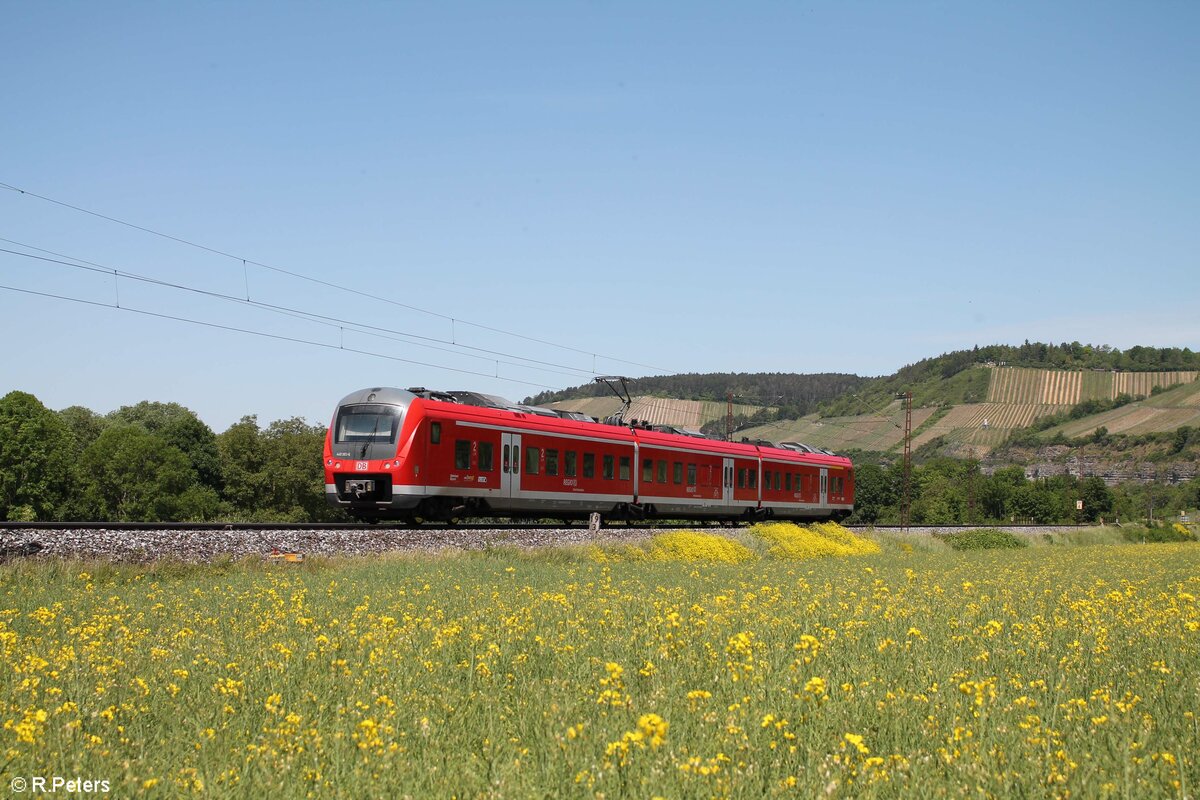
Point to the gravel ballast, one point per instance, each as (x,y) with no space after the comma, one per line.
(201,546)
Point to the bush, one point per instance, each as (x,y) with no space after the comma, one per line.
(1159,534)
(982,539)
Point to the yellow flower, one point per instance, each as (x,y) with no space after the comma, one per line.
(857,741)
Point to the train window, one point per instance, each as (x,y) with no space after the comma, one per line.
(569,463)
(766,479)
(486,464)
(589,465)
(462,454)
(753,479)
(787,482)
(367,423)
(625,472)
(435,433)
(742,478)
(678,472)
(648,470)
(778,481)
(662,471)
(551,461)
(532,456)
(691,475)
(607,474)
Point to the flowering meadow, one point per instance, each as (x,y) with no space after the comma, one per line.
(776,662)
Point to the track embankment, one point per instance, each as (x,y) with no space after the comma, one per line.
(193,543)
(202,545)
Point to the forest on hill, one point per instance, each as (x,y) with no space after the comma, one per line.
(791,394)
(937,380)
(945,379)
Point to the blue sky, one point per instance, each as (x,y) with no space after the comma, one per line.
(694,187)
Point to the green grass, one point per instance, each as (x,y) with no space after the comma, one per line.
(916,671)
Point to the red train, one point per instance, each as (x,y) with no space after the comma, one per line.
(420,455)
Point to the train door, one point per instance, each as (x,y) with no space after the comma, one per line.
(824,500)
(510,464)
(727,482)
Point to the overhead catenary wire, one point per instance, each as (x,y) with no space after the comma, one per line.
(317,281)
(335,322)
(264,334)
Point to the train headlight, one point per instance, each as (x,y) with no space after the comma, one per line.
(329,462)
(338,465)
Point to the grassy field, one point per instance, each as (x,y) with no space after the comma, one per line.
(773,663)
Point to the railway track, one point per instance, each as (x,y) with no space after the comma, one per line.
(208,542)
(485,525)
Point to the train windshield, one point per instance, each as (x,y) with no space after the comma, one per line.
(367,424)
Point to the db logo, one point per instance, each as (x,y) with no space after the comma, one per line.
(361,466)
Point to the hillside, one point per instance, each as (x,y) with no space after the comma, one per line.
(1162,412)
(794,395)
(966,404)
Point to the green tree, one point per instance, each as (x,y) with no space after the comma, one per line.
(875,493)
(180,428)
(243,463)
(1037,503)
(1097,498)
(997,490)
(85,426)
(275,474)
(130,474)
(295,475)
(940,496)
(35,459)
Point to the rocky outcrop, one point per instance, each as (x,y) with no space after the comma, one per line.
(1115,473)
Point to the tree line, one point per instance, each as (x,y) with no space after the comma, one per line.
(951,492)
(156,462)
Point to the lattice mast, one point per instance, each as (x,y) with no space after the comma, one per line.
(906,506)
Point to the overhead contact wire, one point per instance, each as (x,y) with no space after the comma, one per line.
(318,281)
(278,337)
(368,330)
